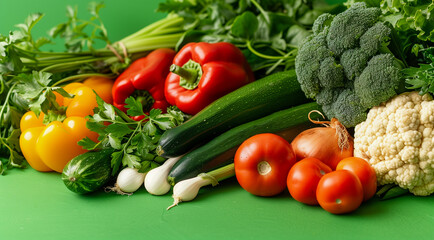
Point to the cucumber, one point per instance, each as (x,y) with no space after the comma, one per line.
(252,101)
(221,150)
(88,172)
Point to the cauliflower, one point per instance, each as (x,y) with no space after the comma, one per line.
(397,139)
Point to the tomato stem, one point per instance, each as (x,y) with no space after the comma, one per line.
(264,168)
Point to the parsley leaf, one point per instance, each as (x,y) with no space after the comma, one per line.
(135,141)
(422,78)
(135,107)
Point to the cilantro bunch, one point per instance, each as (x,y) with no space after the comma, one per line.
(135,142)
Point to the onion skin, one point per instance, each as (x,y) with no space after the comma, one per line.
(321,143)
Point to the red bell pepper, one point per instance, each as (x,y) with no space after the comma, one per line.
(144,79)
(202,72)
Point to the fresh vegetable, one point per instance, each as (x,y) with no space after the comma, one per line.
(364,172)
(267,32)
(102,86)
(303,179)
(88,172)
(30,77)
(203,72)
(262,163)
(221,150)
(57,144)
(156,180)
(52,146)
(252,101)
(397,141)
(330,144)
(346,65)
(422,78)
(128,181)
(269,46)
(144,80)
(407,16)
(28,140)
(339,192)
(188,189)
(61,130)
(134,142)
(83,102)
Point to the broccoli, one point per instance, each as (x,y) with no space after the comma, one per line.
(346,65)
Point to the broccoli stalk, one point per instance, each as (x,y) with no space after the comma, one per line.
(347,65)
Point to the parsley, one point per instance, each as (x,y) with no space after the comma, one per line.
(135,142)
(422,78)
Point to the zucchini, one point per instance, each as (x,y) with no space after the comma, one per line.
(221,150)
(88,172)
(255,100)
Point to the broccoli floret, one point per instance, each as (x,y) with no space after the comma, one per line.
(354,61)
(378,81)
(347,108)
(322,22)
(328,96)
(307,68)
(331,74)
(346,65)
(348,26)
(375,38)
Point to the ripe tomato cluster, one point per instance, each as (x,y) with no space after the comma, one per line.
(265,165)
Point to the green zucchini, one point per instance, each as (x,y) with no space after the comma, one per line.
(221,150)
(88,172)
(252,101)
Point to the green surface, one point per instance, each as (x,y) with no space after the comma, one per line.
(37,205)
(120,18)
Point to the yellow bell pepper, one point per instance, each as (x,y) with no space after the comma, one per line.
(50,147)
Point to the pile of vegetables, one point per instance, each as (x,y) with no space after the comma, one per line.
(222,89)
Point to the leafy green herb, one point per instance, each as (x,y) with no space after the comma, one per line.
(34,88)
(422,78)
(74,31)
(267,32)
(135,141)
(406,16)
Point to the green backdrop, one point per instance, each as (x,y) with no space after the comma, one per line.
(36,205)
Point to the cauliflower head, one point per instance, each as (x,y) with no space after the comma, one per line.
(397,139)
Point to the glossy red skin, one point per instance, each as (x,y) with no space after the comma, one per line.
(339,192)
(147,74)
(224,69)
(273,149)
(364,172)
(303,179)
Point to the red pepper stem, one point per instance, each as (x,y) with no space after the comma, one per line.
(190,74)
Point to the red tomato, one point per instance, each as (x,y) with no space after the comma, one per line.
(339,192)
(364,171)
(303,179)
(262,163)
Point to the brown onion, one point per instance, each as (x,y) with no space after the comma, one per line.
(330,144)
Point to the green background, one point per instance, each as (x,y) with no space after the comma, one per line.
(36,205)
